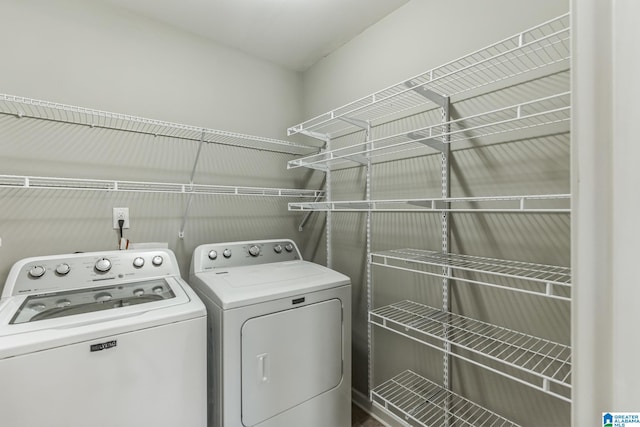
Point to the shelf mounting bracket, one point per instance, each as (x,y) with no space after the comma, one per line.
(193,174)
(356,122)
(317,135)
(431,142)
(440,100)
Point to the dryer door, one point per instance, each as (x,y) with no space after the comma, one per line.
(290,357)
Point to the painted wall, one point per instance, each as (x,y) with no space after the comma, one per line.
(88,54)
(415,38)
(605,180)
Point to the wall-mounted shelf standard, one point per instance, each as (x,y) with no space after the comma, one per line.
(539,203)
(537,279)
(539,363)
(45,110)
(547,111)
(425,403)
(542,47)
(51,183)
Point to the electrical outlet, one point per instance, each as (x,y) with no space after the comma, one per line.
(118,214)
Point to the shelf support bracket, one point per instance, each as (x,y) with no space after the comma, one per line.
(356,122)
(358,158)
(440,100)
(190,199)
(309,213)
(431,142)
(317,135)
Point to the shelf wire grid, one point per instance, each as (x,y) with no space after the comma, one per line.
(546,364)
(547,277)
(539,203)
(546,111)
(51,183)
(425,403)
(545,45)
(46,110)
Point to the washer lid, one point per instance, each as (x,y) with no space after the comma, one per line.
(64,310)
(81,301)
(240,286)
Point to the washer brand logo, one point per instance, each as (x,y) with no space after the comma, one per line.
(103,345)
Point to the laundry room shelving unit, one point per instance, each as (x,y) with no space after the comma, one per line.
(26,108)
(539,363)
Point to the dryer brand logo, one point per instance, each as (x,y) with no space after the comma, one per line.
(103,345)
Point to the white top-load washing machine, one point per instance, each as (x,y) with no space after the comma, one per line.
(279,336)
(101,339)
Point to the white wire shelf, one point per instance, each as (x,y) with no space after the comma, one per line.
(50,183)
(422,402)
(541,203)
(45,110)
(546,46)
(540,113)
(537,279)
(536,362)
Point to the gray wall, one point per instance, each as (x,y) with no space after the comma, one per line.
(84,53)
(417,37)
(605,231)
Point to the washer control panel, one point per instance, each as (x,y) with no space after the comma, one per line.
(72,271)
(237,254)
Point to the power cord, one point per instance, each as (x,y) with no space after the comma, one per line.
(121,224)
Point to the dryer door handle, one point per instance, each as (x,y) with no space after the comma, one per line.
(263,367)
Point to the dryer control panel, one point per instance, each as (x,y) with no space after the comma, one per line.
(239,254)
(73,271)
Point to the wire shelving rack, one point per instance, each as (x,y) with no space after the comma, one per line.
(425,403)
(539,48)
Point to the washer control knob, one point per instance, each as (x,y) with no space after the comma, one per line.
(213,255)
(277,249)
(102,297)
(157,260)
(37,271)
(227,253)
(254,250)
(138,262)
(63,269)
(103,265)
(288,247)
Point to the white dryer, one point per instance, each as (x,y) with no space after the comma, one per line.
(279,336)
(101,339)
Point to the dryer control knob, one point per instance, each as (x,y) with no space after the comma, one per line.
(227,253)
(37,271)
(288,247)
(103,265)
(63,269)
(213,255)
(138,262)
(277,249)
(157,260)
(254,250)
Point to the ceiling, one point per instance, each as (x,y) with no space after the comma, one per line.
(292,33)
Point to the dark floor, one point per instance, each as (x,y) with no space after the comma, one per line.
(360,418)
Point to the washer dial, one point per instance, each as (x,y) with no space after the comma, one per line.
(103,265)
(288,247)
(254,250)
(213,255)
(63,269)
(227,253)
(277,249)
(138,262)
(37,271)
(157,260)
